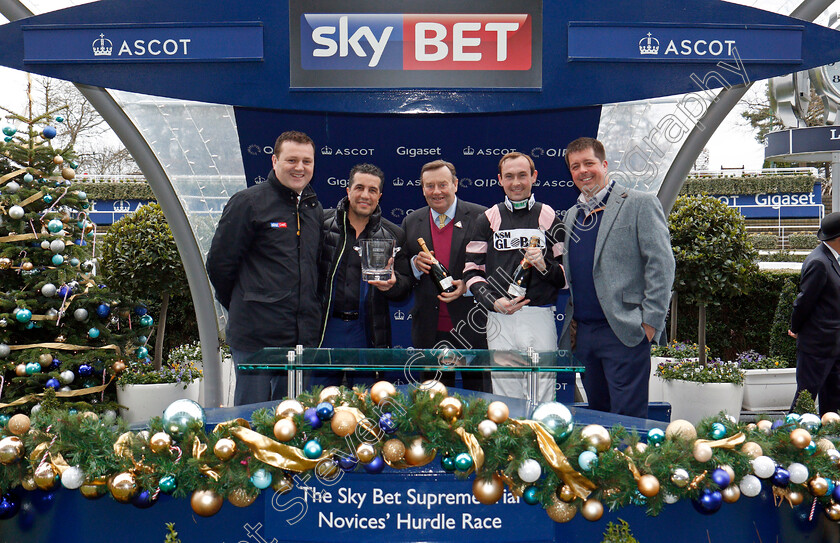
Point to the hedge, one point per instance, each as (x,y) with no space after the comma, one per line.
(764,241)
(803,240)
(766,184)
(124,190)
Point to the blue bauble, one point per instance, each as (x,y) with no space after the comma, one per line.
(836,493)
(721,478)
(180,415)
(261,479)
(9,505)
(312,449)
(792,418)
(59,119)
(85,370)
(53,383)
(24,315)
(74,262)
(32,368)
(142,352)
(781,477)
(463,461)
(55,226)
(811,448)
(64,291)
(49,132)
(530,496)
(7,139)
(146,320)
(93,333)
(168,484)
(74,164)
(143,500)
(4,419)
(142,340)
(347,463)
(48,199)
(556,418)
(656,436)
(311,418)
(718,431)
(447,463)
(9,130)
(587,460)
(387,423)
(57,260)
(325,410)
(82,195)
(374,466)
(140,310)
(103,310)
(56,363)
(709,502)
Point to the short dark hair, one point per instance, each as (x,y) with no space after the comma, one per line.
(369,169)
(582,144)
(294,136)
(515,155)
(436,164)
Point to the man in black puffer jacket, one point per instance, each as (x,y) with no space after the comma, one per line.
(355,312)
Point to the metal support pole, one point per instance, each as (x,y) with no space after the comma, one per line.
(835,182)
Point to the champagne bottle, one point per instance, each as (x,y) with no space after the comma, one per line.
(519,283)
(443,281)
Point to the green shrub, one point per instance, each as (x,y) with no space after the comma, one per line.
(764,241)
(782,256)
(803,240)
(781,344)
(619,533)
(766,184)
(124,190)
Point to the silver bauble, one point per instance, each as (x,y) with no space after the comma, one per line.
(49,290)
(12,187)
(4,350)
(57,246)
(16,212)
(52,313)
(65,389)
(80,314)
(66,377)
(45,245)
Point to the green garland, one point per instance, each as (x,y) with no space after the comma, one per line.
(86,441)
(765,184)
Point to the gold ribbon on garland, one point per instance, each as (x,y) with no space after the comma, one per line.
(58,461)
(65,347)
(70,394)
(37,196)
(631,466)
(473,446)
(18,237)
(580,485)
(275,454)
(198,450)
(729,443)
(10,176)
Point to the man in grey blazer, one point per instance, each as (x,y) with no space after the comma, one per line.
(620,270)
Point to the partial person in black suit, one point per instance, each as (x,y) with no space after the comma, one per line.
(815,322)
(450,320)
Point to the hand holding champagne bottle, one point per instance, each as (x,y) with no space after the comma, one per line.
(442,278)
(519,282)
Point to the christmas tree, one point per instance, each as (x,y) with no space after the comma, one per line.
(60,328)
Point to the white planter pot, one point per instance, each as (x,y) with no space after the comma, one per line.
(769,390)
(656,385)
(695,401)
(147,401)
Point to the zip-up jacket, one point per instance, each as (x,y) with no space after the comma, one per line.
(499,239)
(263,265)
(378,315)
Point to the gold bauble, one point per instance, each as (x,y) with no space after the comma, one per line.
(58,159)
(160,442)
(648,485)
(566,493)
(93,491)
(702,452)
(285,430)
(489,491)
(818,486)
(681,429)
(68,173)
(830,417)
(206,502)
(487,428)
(381,391)
(731,494)
(560,511)
(327,469)
(641,447)
(27,266)
(123,487)
(824,444)
(90,415)
(729,471)
(225,449)
(45,476)
(282,485)
(288,408)
(833,512)
(592,510)
(800,437)
(365,452)
(5,263)
(450,408)
(764,425)
(434,387)
(343,423)
(795,497)
(752,449)
(45,360)
(239,497)
(20,370)
(329,394)
(751,427)
(118,367)
(28,482)
(11,450)
(418,453)
(393,450)
(498,412)
(19,424)
(596,437)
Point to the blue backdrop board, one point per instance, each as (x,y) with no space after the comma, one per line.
(777,205)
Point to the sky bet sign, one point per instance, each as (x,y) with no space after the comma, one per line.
(404,49)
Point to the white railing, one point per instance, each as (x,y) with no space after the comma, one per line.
(738,172)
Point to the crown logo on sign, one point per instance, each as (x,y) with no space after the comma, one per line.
(398,182)
(102,47)
(259,179)
(326,150)
(121,206)
(649,45)
(399,315)
(469,151)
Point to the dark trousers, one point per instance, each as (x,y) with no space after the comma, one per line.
(616,377)
(821,377)
(472,380)
(256,386)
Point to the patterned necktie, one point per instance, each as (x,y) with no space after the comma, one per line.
(441,220)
